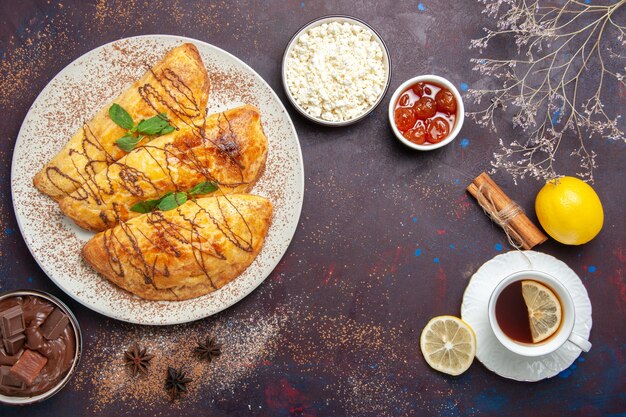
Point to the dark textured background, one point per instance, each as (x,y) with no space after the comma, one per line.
(387,237)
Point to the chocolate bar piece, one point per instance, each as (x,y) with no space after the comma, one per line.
(8,380)
(12,322)
(6,359)
(14,344)
(54,324)
(28,366)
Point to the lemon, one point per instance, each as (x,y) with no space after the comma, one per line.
(544,310)
(569,210)
(448,345)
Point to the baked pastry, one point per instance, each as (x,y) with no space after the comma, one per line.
(178,86)
(186,252)
(231,151)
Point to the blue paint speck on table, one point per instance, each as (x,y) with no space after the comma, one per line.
(29,279)
(464,87)
(457,181)
(451,246)
(418,252)
(489,401)
(464,143)
(555,116)
(414,219)
(8,231)
(498,247)
(592,268)
(567,372)
(436,260)
(421,7)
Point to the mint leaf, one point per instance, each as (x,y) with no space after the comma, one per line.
(154,125)
(167,129)
(203,188)
(148,205)
(121,116)
(145,206)
(128,142)
(172,201)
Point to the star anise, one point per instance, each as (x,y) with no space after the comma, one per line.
(176,382)
(208,349)
(137,359)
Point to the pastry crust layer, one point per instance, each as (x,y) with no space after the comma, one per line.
(183,253)
(178,86)
(231,150)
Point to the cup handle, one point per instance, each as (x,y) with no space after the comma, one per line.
(580,341)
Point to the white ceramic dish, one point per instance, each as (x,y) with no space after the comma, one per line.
(86,85)
(4,399)
(475,312)
(460,111)
(320,21)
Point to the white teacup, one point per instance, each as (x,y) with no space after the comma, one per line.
(563,334)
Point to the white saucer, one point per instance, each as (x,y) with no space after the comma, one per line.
(489,350)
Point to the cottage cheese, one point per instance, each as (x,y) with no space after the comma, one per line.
(336,71)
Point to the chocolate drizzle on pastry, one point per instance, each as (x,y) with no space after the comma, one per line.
(180,103)
(169,234)
(229,151)
(188,251)
(178,86)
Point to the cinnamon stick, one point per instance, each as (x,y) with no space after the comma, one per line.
(505,212)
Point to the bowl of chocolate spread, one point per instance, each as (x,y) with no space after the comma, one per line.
(40,345)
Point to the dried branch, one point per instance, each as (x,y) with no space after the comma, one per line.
(558,49)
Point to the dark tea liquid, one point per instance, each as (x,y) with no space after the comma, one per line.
(512,314)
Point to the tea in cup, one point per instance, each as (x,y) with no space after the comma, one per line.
(533,314)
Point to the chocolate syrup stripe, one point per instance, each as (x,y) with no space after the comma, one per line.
(181,110)
(168,235)
(89,166)
(186,153)
(185,112)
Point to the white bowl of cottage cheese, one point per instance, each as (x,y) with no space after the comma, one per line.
(336,70)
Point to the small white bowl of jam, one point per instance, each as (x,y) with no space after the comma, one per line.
(426,112)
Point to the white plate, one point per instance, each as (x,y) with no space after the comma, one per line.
(86,85)
(489,350)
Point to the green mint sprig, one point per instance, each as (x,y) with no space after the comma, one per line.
(155,126)
(172,200)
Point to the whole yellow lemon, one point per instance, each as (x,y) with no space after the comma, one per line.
(569,210)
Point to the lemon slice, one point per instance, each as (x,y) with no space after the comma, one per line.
(544,310)
(448,344)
